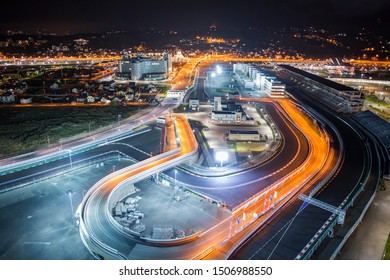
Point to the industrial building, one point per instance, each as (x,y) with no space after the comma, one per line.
(339,97)
(244,135)
(229,112)
(194,104)
(152,67)
(252,77)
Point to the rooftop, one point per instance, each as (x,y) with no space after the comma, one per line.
(225,112)
(318,79)
(378,126)
(243,132)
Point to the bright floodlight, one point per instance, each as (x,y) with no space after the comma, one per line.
(219,69)
(212,74)
(221,156)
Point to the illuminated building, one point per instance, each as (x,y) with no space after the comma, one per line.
(144,68)
(244,135)
(229,112)
(251,77)
(339,97)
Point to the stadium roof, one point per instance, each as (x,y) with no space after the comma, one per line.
(378,126)
(318,79)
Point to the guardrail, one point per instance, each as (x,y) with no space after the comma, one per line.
(357,221)
(61,170)
(139,177)
(14,167)
(327,228)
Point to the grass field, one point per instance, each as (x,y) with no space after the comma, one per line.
(387,250)
(23,130)
(253,147)
(181,109)
(378,101)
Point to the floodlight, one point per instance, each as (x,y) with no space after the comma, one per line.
(221,156)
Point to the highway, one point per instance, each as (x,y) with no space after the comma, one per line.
(183,79)
(199,89)
(138,148)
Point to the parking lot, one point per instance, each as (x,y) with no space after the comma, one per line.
(167,212)
(37,221)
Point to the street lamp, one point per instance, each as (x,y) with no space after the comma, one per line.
(70,158)
(219,69)
(221,156)
(70,192)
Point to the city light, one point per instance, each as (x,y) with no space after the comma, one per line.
(209,160)
(221,156)
(219,69)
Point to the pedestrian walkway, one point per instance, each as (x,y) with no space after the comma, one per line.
(369,239)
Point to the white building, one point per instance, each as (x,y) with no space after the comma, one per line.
(194,104)
(25,100)
(229,112)
(145,68)
(90,99)
(244,135)
(226,116)
(7,98)
(273,86)
(252,77)
(217,103)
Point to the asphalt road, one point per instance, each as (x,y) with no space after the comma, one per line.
(286,235)
(135,147)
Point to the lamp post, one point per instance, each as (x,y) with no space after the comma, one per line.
(70,192)
(221,156)
(70,159)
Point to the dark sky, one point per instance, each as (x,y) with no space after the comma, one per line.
(91,16)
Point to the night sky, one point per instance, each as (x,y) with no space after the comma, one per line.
(93,16)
